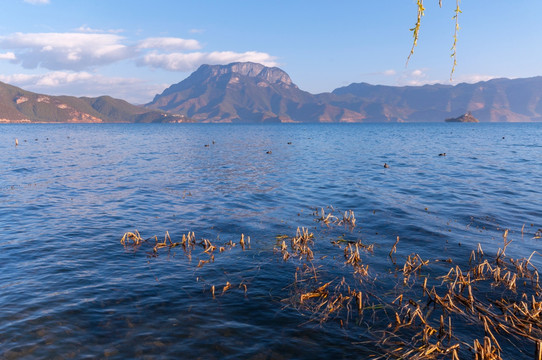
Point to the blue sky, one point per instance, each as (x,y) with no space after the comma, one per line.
(134,49)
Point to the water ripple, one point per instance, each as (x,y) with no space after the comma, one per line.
(69,289)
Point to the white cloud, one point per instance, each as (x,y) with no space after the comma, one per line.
(417,73)
(89,48)
(420,77)
(37,2)
(59,78)
(88,29)
(75,57)
(66,51)
(196,31)
(18,79)
(191,61)
(390,72)
(169,44)
(7,56)
(415,77)
(84,83)
(415,82)
(52,79)
(473,78)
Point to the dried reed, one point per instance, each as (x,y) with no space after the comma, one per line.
(499,298)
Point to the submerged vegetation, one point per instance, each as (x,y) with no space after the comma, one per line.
(485,307)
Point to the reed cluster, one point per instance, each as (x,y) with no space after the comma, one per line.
(432,303)
(188,243)
(348,218)
(299,245)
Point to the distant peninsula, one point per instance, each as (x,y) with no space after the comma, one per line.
(463,118)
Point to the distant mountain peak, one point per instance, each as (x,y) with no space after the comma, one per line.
(251,92)
(243,92)
(250,69)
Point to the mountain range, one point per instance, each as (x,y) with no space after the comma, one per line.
(246,92)
(21,106)
(249,92)
(252,93)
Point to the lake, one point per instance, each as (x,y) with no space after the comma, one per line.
(69,192)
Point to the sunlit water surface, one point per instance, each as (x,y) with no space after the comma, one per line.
(69,289)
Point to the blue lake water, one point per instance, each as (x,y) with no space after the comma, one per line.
(70,289)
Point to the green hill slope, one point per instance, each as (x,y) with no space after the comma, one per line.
(21,106)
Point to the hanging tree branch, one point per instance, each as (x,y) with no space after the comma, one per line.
(416,31)
(454,46)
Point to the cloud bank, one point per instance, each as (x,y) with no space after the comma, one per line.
(65,51)
(190,61)
(70,62)
(85,83)
(419,77)
(89,49)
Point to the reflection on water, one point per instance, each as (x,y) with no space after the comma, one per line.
(69,289)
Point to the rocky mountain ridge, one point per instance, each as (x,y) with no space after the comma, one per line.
(253,93)
(497,100)
(249,92)
(238,92)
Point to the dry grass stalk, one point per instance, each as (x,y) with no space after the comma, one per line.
(393,250)
(499,297)
(244,243)
(226,287)
(348,218)
(326,301)
(208,247)
(412,265)
(359,299)
(479,253)
(188,243)
(300,244)
(486,351)
(352,256)
(159,245)
(284,251)
(460,299)
(203,262)
(326,219)
(501,252)
(323,300)
(134,236)
(320,292)
(519,319)
(189,240)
